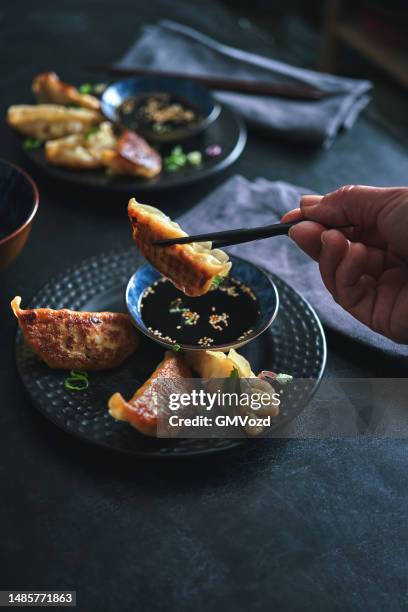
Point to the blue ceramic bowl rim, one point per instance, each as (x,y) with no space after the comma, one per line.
(209,118)
(224,347)
(36,199)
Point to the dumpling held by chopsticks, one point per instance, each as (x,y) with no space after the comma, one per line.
(190,267)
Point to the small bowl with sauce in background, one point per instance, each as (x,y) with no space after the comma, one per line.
(161,109)
(230,315)
(19,199)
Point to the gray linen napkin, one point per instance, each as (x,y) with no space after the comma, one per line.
(241,203)
(175,47)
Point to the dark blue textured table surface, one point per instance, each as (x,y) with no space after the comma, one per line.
(294,525)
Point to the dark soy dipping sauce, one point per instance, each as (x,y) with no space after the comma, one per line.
(172,316)
(136,112)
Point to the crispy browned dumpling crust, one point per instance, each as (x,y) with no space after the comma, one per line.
(47,121)
(72,340)
(140,411)
(49,88)
(190,267)
(133,155)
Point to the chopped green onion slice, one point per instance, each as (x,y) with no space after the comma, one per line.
(99,88)
(85,88)
(217,280)
(176,306)
(177,310)
(79,374)
(90,132)
(284,379)
(31,143)
(76,384)
(159,128)
(234,373)
(178,159)
(76,381)
(194,158)
(176,348)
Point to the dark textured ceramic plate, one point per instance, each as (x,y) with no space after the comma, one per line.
(228,131)
(295,344)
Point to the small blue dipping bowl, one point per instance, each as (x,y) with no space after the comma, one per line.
(245,271)
(199,96)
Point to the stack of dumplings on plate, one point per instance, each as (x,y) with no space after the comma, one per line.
(75,134)
(142,410)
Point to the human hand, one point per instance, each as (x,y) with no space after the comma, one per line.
(365,268)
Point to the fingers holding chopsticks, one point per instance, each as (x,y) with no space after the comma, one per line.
(372,211)
(307,236)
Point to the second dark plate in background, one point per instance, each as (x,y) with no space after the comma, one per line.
(228,132)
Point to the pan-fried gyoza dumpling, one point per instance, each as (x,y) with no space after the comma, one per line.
(133,155)
(141,411)
(214,364)
(49,89)
(81,150)
(217,365)
(47,121)
(72,340)
(190,267)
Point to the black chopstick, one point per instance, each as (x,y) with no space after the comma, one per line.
(282,90)
(238,236)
